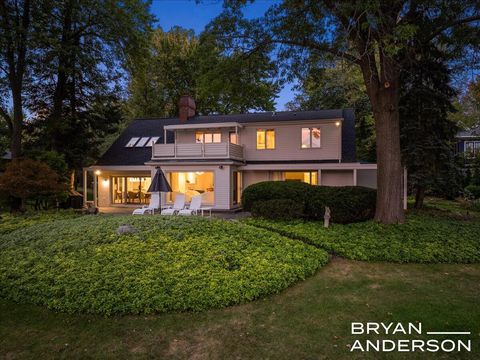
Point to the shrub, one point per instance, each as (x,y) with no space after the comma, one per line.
(31,180)
(169,264)
(347,203)
(473,191)
(283,209)
(272,190)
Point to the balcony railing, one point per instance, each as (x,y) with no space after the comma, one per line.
(221,150)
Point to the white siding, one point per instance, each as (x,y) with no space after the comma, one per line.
(337,177)
(288,142)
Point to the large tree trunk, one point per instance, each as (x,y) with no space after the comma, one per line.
(389,166)
(382,83)
(17,122)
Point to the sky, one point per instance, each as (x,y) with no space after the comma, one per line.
(192,15)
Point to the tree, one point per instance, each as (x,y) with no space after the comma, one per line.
(371,35)
(467,105)
(340,85)
(426,132)
(17,36)
(84,51)
(181,63)
(29,179)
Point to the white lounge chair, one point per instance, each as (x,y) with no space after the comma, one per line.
(195,206)
(178,205)
(152,206)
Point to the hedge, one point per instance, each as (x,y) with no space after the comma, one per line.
(282,209)
(347,204)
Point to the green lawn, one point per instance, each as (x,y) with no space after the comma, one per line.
(310,320)
(81,264)
(435,235)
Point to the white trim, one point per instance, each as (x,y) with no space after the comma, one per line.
(203,126)
(313,166)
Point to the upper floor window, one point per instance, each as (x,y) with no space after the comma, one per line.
(310,138)
(472,147)
(208,137)
(233,137)
(265,139)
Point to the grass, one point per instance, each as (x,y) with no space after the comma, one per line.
(433,236)
(310,320)
(170,264)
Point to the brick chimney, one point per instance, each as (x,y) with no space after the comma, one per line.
(186,107)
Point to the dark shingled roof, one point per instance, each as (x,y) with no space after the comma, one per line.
(118,154)
(470,133)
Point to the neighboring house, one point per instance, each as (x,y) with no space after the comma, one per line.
(468,142)
(220,155)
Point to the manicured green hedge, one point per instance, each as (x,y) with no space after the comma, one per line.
(422,239)
(282,209)
(170,264)
(347,203)
(273,190)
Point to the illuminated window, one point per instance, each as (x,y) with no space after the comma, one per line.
(265,139)
(233,136)
(208,137)
(309,177)
(132,142)
(310,138)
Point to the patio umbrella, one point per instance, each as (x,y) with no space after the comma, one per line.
(159,183)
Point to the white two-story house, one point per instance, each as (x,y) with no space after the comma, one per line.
(220,155)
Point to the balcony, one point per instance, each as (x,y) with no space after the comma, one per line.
(223,150)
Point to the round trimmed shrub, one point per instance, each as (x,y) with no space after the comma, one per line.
(274,190)
(347,204)
(281,209)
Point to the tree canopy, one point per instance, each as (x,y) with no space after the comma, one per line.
(179,62)
(377,36)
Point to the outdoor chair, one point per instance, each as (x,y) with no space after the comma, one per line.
(195,207)
(152,206)
(178,205)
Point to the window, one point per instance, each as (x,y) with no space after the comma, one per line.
(152,140)
(130,190)
(208,137)
(472,147)
(236,187)
(142,142)
(265,139)
(309,177)
(310,138)
(132,142)
(192,184)
(233,137)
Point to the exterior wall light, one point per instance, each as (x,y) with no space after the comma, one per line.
(337,123)
(98,172)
